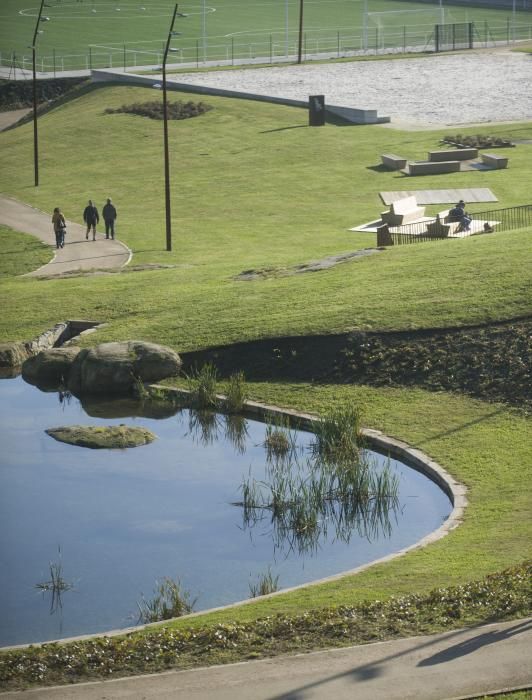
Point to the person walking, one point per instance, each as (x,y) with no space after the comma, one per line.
(59,224)
(91,218)
(109,216)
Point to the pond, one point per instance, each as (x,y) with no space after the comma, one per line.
(116,521)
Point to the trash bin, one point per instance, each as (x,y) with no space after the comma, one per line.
(316,110)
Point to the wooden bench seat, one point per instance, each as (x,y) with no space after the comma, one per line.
(494,161)
(393,162)
(455,154)
(403,211)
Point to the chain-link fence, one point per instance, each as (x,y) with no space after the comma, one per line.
(267,48)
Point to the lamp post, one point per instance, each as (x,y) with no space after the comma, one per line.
(171,33)
(300,42)
(40,19)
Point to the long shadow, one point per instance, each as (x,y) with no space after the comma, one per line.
(374,669)
(463,426)
(471,645)
(284,128)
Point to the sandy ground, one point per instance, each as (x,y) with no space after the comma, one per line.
(472,87)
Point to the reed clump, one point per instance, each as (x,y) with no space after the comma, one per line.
(169,600)
(202,385)
(339,434)
(266,583)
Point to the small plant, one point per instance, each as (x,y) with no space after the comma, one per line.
(338,434)
(56,585)
(236,393)
(279,440)
(267,583)
(169,601)
(202,386)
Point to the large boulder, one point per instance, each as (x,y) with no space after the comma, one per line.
(12,354)
(50,368)
(114,368)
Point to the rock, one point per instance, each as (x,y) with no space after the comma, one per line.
(114,437)
(50,368)
(114,368)
(12,354)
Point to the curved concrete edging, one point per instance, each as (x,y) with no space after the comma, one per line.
(411,456)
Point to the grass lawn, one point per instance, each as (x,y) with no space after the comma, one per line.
(244,28)
(252,189)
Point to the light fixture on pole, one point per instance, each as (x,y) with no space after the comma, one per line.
(40,19)
(171,34)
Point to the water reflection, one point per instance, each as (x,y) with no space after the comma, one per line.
(308,501)
(129,518)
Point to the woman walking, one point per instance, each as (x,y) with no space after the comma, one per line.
(58,220)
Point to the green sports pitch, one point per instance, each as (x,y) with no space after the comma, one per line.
(96,33)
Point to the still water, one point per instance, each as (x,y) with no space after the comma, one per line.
(118,520)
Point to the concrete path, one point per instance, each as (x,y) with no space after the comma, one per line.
(456,664)
(78,253)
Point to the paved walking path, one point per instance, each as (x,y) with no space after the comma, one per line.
(78,253)
(455,664)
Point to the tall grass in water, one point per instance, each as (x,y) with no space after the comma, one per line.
(279,440)
(304,502)
(169,600)
(57,585)
(266,583)
(202,385)
(236,393)
(339,433)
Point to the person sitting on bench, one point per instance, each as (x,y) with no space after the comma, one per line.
(459,214)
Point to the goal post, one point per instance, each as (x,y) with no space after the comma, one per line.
(389,19)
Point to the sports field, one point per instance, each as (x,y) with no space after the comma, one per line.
(92,33)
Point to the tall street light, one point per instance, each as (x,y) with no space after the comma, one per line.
(300,42)
(40,19)
(171,34)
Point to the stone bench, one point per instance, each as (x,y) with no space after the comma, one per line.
(403,211)
(427,167)
(494,160)
(393,162)
(441,227)
(455,154)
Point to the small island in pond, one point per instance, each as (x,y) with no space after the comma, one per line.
(111,437)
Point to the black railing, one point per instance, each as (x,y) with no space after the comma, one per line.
(429,230)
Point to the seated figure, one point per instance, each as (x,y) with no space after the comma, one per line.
(458,213)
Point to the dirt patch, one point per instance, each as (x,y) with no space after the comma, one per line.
(120,271)
(313,266)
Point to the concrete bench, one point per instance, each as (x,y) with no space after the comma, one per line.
(427,167)
(403,211)
(455,154)
(393,162)
(494,160)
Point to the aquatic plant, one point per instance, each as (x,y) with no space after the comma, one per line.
(267,583)
(303,501)
(169,600)
(202,385)
(338,433)
(236,393)
(280,439)
(56,585)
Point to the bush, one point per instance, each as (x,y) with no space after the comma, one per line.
(154,109)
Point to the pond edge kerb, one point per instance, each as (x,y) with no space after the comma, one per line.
(411,456)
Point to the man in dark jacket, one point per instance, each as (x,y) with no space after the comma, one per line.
(109,216)
(91,218)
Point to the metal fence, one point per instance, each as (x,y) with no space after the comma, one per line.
(507,219)
(268,48)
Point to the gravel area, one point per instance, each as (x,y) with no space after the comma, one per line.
(472,87)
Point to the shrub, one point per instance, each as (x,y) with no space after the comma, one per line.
(154,109)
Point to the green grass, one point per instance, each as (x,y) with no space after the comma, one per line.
(246,194)
(21,253)
(73,27)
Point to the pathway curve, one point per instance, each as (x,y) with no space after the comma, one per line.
(78,253)
(462,663)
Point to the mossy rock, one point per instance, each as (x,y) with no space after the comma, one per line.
(110,437)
